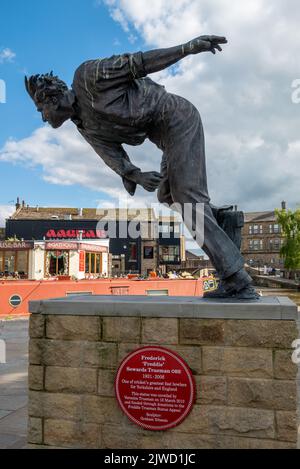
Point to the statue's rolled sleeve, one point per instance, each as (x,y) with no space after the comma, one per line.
(120,68)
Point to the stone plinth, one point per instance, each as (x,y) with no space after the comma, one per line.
(240,355)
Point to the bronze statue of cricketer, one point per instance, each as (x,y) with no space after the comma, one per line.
(114,102)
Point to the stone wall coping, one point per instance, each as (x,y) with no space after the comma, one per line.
(266,308)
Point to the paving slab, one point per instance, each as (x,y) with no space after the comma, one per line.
(8,441)
(13,385)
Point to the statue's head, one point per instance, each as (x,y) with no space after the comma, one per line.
(52,98)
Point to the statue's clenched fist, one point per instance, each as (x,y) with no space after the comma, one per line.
(149,181)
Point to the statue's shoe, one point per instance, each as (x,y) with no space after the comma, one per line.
(247,293)
(220,292)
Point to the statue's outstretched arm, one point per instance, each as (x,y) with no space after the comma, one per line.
(159,59)
(105,74)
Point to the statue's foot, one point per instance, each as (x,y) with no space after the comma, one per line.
(247,293)
(238,286)
(220,292)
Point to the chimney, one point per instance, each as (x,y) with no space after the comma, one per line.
(23,203)
(283,205)
(18,203)
(80,212)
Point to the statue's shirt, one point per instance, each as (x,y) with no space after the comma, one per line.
(116,104)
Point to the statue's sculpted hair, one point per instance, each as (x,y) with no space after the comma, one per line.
(43,87)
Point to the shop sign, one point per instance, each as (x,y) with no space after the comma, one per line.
(15,245)
(76,234)
(61,246)
(81,261)
(93,248)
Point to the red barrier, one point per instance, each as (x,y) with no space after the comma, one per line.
(15,294)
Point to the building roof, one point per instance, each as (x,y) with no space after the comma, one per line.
(191,255)
(253,217)
(64,213)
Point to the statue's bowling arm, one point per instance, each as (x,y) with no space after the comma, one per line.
(117,159)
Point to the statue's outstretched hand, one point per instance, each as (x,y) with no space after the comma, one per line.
(206,44)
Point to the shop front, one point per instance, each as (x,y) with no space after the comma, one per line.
(14,259)
(76,259)
(39,260)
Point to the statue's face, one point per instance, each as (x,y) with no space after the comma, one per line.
(55,111)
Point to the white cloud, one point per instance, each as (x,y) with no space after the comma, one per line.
(63,155)
(5,212)
(65,158)
(243,94)
(6,55)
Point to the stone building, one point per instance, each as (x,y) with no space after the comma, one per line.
(262,239)
(194,262)
(171,243)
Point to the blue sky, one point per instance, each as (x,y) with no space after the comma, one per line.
(244,96)
(47,35)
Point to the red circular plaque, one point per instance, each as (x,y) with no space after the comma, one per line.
(155,388)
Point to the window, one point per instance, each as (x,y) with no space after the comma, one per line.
(169,253)
(149,230)
(157,292)
(148,252)
(256,244)
(132,252)
(22,262)
(275,244)
(14,262)
(256,229)
(164,229)
(57,263)
(9,261)
(250,229)
(15,301)
(93,263)
(275,229)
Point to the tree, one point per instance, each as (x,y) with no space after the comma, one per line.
(290,225)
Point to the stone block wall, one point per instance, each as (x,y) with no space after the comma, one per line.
(246,381)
